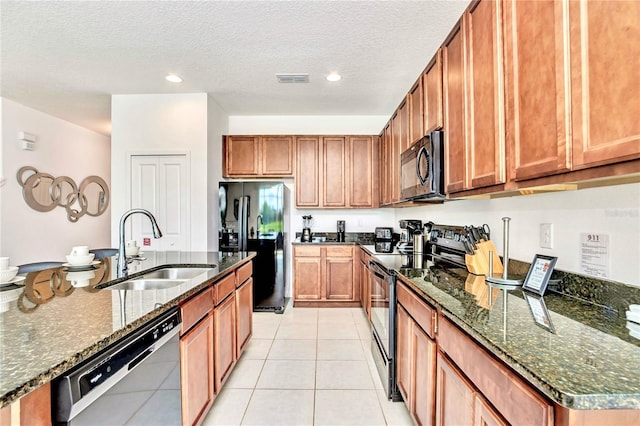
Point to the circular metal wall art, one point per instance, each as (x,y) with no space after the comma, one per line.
(43,192)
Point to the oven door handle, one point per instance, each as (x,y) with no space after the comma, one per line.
(422,177)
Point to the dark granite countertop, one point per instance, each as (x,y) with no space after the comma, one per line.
(53,326)
(585,359)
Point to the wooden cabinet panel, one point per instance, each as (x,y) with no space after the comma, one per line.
(485,106)
(416,111)
(224,322)
(455,396)
(195,309)
(394,157)
(432,87)
(363,186)
(334,161)
(196,371)
(244,315)
(510,395)
(405,140)
(339,278)
(276,155)
(485,415)
(423,362)
(420,311)
(241,155)
(224,287)
(307,278)
(454,110)
(537,104)
(308,179)
(403,362)
(605,81)
(365,283)
(386,165)
(243,273)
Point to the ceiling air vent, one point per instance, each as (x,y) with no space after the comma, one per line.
(292,78)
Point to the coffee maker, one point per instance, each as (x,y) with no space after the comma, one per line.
(408,228)
(306,231)
(341,227)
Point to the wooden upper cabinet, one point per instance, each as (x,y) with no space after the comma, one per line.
(485,89)
(537,88)
(241,155)
(386,168)
(432,94)
(416,111)
(256,156)
(454,107)
(277,155)
(308,179)
(396,146)
(334,162)
(363,179)
(605,81)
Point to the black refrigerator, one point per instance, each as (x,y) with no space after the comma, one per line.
(252,219)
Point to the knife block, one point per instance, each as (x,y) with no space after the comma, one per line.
(478,263)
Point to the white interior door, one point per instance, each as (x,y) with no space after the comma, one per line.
(159,183)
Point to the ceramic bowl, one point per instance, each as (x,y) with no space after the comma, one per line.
(8,296)
(132,250)
(80,260)
(8,274)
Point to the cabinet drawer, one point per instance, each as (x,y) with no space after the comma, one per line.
(306,251)
(195,309)
(243,273)
(515,399)
(224,287)
(419,310)
(339,251)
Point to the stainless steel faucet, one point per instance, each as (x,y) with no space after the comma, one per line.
(258,223)
(122,260)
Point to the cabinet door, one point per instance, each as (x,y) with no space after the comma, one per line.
(339,276)
(277,155)
(224,321)
(403,361)
(307,278)
(334,162)
(241,155)
(485,415)
(485,104)
(454,107)
(423,366)
(385,165)
(362,179)
(605,81)
(536,88)
(196,371)
(432,86)
(416,112)
(454,395)
(308,178)
(365,283)
(394,157)
(244,315)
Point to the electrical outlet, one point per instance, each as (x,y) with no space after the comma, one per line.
(546,235)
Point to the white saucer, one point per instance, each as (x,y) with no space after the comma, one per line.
(81,267)
(14,280)
(140,253)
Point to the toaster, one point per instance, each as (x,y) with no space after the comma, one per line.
(384,234)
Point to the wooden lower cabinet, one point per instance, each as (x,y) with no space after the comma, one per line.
(196,371)
(324,275)
(224,347)
(244,315)
(32,409)
(485,415)
(455,397)
(365,283)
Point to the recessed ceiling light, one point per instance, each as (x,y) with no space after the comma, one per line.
(173,78)
(334,76)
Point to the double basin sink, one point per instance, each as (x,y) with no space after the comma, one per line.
(159,280)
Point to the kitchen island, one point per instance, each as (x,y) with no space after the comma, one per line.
(54,326)
(578,364)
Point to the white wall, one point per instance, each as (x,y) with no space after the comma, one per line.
(612,210)
(307,124)
(161,124)
(62,149)
(217,127)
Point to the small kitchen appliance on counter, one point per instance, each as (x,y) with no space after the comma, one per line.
(408,227)
(306,231)
(341,228)
(384,240)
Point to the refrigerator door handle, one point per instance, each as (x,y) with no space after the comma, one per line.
(243,224)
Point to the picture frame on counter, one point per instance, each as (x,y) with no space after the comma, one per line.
(537,278)
(539,311)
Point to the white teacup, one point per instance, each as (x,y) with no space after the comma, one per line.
(131,250)
(4,263)
(80,279)
(132,243)
(79,250)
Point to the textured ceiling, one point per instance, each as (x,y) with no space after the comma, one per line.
(67,58)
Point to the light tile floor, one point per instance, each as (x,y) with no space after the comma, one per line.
(308,366)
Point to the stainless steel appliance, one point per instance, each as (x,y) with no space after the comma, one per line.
(422,169)
(258,206)
(134,381)
(383,326)
(384,240)
(448,243)
(341,229)
(306,231)
(408,228)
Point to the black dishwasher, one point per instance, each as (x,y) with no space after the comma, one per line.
(135,381)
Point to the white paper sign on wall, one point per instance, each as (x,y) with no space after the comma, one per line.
(594,254)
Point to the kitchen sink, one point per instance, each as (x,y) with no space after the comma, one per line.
(146,284)
(176,273)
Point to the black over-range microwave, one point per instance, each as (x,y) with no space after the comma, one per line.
(422,169)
